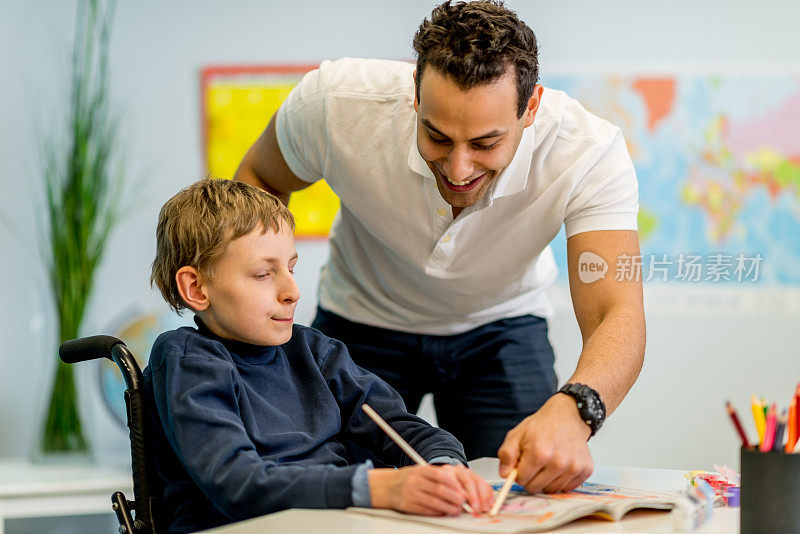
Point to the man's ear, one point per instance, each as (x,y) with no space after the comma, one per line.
(190,287)
(533,104)
(416,93)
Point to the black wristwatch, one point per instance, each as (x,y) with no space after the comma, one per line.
(591,408)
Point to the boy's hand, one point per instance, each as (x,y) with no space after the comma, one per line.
(429,490)
(479,494)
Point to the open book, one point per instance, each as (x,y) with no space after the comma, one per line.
(523,512)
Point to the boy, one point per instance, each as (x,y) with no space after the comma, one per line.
(252,414)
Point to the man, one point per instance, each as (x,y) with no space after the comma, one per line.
(453,178)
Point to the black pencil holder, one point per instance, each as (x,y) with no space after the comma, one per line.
(770,494)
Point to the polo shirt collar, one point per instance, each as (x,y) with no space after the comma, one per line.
(511,181)
(514,178)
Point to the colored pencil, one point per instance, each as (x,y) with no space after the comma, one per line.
(758,417)
(400,442)
(769,430)
(791,426)
(737,424)
(797,413)
(778,444)
(501,497)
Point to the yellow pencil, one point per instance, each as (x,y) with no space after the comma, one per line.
(501,497)
(758,415)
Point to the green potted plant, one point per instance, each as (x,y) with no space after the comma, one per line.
(82,190)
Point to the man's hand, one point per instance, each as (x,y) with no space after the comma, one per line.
(549,448)
(429,490)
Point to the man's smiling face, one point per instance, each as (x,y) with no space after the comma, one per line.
(467,137)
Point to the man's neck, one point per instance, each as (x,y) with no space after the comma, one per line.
(456,211)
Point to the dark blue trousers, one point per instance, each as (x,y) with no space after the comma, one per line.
(483,381)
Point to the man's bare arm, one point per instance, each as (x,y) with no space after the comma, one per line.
(610,314)
(264,167)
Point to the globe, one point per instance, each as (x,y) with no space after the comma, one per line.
(138,330)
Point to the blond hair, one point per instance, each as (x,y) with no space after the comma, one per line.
(196,226)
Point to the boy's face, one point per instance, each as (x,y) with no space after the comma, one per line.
(252,293)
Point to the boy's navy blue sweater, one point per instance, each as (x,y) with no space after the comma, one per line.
(243,430)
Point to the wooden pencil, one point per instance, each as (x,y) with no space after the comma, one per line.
(769,429)
(501,497)
(759,417)
(737,424)
(400,442)
(397,438)
(791,426)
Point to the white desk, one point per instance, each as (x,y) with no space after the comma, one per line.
(296,521)
(47,490)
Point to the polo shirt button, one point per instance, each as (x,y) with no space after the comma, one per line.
(442,212)
(446,239)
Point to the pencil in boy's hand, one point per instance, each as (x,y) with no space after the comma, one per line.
(737,424)
(397,438)
(400,442)
(501,496)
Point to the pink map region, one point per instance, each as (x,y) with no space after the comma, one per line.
(778,129)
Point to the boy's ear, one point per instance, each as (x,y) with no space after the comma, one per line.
(190,287)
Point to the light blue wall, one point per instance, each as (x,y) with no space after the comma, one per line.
(673,417)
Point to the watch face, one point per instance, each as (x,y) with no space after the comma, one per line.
(591,405)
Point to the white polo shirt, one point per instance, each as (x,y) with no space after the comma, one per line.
(398,258)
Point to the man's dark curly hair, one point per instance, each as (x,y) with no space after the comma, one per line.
(475,42)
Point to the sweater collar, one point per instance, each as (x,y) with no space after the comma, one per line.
(246,352)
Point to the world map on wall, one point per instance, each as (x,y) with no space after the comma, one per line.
(718,163)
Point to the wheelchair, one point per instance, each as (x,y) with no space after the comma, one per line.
(144,519)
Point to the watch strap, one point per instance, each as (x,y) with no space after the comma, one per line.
(590,405)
